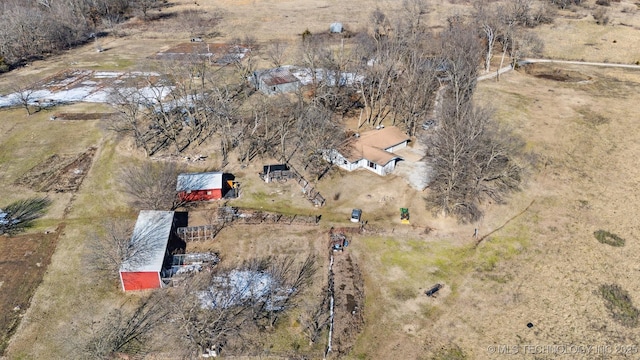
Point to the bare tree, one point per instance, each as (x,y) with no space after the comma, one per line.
(152,185)
(486,18)
(36,28)
(20,215)
(144,6)
(127,332)
(116,245)
(110,247)
(461,53)
(224,308)
(276,52)
(472,161)
(24,95)
(178,110)
(563,4)
(314,319)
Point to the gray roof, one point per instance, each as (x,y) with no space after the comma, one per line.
(149,241)
(199,181)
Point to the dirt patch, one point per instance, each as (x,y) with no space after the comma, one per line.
(218,54)
(23,262)
(59,173)
(556,74)
(83,116)
(349,302)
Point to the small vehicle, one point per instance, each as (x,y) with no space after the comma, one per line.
(428,124)
(404,215)
(356,215)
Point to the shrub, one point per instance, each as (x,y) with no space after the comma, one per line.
(306,34)
(4,67)
(603,2)
(608,238)
(20,215)
(619,304)
(452,352)
(601,16)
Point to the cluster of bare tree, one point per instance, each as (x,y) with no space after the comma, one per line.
(20,215)
(473,158)
(192,104)
(228,308)
(126,330)
(35,28)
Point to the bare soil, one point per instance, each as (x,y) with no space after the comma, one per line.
(23,262)
(84,116)
(349,302)
(59,173)
(555,73)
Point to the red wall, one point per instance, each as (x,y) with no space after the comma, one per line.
(140,280)
(201,195)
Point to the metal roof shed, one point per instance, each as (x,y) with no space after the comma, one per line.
(149,241)
(200,186)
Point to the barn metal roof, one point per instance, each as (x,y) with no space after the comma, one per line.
(278,76)
(149,241)
(199,181)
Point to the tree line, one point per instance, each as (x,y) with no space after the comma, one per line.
(32,29)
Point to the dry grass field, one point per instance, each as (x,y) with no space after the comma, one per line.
(544,267)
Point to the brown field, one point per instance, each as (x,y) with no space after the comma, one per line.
(23,262)
(544,267)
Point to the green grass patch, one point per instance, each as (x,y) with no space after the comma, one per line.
(608,238)
(619,304)
(426,262)
(451,352)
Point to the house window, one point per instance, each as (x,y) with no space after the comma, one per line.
(372,164)
(208,192)
(188,191)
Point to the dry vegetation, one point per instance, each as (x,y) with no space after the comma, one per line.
(552,266)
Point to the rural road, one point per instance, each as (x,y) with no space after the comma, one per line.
(552,61)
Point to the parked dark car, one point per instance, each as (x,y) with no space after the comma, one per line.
(356,215)
(428,124)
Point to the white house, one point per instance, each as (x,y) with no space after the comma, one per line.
(372,150)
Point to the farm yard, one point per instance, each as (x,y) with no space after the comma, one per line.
(555,264)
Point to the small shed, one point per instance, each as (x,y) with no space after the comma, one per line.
(151,242)
(335,27)
(276,81)
(280,172)
(203,186)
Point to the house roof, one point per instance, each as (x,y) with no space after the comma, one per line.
(277,76)
(383,138)
(149,240)
(372,145)
(199,181)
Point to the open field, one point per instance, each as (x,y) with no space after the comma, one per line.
(544,267)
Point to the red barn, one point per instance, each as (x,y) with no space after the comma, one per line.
(150,254)
(200,186)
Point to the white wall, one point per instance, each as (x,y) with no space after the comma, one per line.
(402,145)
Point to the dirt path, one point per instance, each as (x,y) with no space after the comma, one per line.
(571,62)
(527,61)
